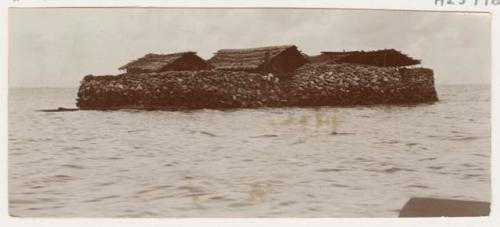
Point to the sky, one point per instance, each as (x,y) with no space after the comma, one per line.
(57,47)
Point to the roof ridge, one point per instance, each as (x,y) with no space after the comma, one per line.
(257,48)
(169,54)
(365,51)
(158,58)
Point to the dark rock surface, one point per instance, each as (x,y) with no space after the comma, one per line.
(310,85)
(179,89)
(351,84)
(432,207)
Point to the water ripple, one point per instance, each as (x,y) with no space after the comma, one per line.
(207,163)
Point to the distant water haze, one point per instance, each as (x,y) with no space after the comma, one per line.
(57,47)
(363,161)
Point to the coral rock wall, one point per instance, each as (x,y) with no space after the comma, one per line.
(311,85)
(351,84)
(179,89)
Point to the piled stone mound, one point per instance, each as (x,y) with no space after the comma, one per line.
(352,84)
(179,89)
(311,85)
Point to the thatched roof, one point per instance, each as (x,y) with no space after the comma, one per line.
(386,57)
(246,59)
(155,62)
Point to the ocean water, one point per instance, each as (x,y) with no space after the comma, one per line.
(267,162)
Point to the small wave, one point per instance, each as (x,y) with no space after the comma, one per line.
(135,130)
(265,136)
(298,142)
(208,134)
(22,201)
(454,138)
(86,139)
(434,167)
(106,183)
(170,164)
(416,186)
(240,204)
(188,130)
(101,198)
(287,203)
(470,175)
(43,182)
(34,208)
(391,170)
(464,138)
(467,165)
(341,133)
(155,188)
(388,142)
(329,170)
(72,166)
(313,209)
(361,159)
(193,189)
(161,197)
(340,185)
(220,198)
(57,178)
(481,155)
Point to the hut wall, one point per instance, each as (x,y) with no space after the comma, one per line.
(366,59)
(323,58)
(284,63)
(276,60)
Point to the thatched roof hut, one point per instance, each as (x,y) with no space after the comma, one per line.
(384,58)
(273,59)
(184,61)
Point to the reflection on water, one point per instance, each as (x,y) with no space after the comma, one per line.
(268,162)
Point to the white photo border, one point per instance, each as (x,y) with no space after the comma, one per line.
(418,5)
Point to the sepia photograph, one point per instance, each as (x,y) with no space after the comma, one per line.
(248,113)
